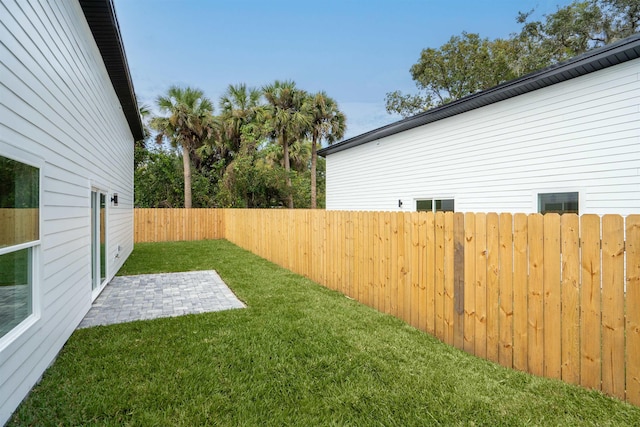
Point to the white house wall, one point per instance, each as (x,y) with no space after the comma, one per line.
(57,105)
(580,135)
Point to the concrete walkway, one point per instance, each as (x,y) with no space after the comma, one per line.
(149,296)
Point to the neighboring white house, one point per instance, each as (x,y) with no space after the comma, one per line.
(565,138)
(68,122)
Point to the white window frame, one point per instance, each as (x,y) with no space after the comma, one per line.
(581,197)
(433,202)
(11,152)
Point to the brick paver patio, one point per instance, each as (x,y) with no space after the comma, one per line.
(149,296)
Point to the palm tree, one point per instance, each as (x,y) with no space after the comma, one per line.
(239,106)
(327,123)
(188,125)
(288,118)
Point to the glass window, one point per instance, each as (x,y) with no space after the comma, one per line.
(435,205)
(445,205)
(558,202)
(424,205)
(19,237)
(15,289)
(19,194)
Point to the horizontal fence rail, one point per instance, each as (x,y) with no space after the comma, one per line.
(556,296)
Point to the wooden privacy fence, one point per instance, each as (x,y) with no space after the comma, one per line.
(556,296)
(169,225)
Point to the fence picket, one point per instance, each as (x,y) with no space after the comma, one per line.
(632,326)
(493,287)
(377,243)
(535,303)
(360,281)
(341,229)
(439,274)
(386,271)
(613,305)
(505,277)
(551,297)
(415,295)
(332,247)
(448,309)
(481,286)
(430,253)
(590,302)
(458,285)
(469,282)
(349,269)
(367,266)
(408,269)
(403,310)
(422,266)
(520,285)
(395,262)
(570,299)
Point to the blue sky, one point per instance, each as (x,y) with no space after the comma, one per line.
(356,51)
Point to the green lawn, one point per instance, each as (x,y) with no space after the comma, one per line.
(298,355)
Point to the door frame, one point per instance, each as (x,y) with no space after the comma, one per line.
(98,232)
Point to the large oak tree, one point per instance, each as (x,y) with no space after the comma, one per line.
(469,63)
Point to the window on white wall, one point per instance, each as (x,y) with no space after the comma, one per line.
(19,239)
(435,205)
(558,202)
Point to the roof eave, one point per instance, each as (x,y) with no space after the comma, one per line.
(594,60)
(102,20)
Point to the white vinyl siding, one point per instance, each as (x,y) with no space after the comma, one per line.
(580,135)
(58,104)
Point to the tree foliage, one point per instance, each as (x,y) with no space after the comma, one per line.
(158,180)
(465,64)
(239,107)
(257,153)
(469,63)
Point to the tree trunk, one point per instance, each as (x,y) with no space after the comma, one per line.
(287,168)
(186,161)
(314,161)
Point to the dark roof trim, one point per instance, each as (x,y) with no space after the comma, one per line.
(102,20)
(594,60)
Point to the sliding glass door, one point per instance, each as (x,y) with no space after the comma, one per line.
(98,241)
